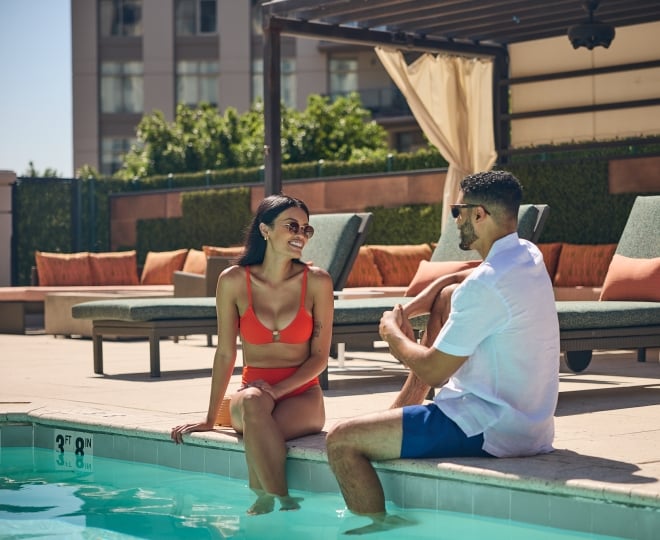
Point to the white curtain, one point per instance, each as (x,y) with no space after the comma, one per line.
(451,97)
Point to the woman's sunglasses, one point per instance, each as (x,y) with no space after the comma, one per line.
(294,228)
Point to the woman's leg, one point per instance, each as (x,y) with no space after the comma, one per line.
(265,427)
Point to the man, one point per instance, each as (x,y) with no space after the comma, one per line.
(495,358)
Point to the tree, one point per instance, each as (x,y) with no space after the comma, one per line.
(201,138)
(32,172)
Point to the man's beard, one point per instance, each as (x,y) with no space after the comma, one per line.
(468,236)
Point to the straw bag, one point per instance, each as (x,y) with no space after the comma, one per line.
(224,418)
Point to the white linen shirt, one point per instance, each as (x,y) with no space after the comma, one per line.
(503,317)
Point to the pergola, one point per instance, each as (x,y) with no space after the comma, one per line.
(480,28)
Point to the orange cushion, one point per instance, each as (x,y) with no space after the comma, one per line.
(216,251)
(550,253)
(398,264)
(159,266)
(364,273)
(195,262)
(118,268)
(63,268)
(584,265)
(429,271)
(632,279)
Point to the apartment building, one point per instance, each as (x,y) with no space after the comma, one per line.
(133,57)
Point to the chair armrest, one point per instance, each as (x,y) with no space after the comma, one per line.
(214,267)
(187,284)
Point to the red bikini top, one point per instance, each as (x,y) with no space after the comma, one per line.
(253,331)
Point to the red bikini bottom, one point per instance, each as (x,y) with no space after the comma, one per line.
(274,375)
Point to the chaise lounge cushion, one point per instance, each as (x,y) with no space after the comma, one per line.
(146,309)
(56,269)
(632,279)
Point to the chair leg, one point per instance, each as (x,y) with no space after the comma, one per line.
(577,361)
(97,340)
(154,354)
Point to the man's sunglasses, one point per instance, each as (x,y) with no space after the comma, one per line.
(295,228)
(456,209)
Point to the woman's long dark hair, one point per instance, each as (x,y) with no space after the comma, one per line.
(269,208)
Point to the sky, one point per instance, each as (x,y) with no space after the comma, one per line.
(35,86)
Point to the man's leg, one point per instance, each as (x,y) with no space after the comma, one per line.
(415,390)
(352,445)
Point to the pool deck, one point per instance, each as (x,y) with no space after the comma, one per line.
(607,421)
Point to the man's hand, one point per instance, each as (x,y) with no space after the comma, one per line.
(393,322)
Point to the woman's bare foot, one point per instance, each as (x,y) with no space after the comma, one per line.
(264,504)
(382,522)
(290,503)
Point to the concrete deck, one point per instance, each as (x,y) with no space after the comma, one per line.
(607,421)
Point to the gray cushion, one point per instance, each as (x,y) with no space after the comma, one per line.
(611,314)
(146,309)
(572,315)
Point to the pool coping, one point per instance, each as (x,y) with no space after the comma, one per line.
(464,485)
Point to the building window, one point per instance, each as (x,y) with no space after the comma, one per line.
(343,75)
(195,17)
(121,87)
(121,17)
(287,81)
(196,81)
(112,154)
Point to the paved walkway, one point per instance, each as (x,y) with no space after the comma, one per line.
(607,421)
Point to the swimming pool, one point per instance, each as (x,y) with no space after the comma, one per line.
(89,479)
(40,494)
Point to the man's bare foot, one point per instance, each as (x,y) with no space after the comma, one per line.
(264,504)
(290,503)
(383,522)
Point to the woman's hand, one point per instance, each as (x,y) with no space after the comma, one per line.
(177,432)
(261,385)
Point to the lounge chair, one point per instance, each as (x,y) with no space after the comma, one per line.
(584,325)
(334,247)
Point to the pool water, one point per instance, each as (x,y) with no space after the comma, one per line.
(113,499)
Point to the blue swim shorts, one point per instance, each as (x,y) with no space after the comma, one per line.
(429,433)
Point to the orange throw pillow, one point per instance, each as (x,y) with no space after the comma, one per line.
(214,251)
(159,266)
(632,279)
(195,262)
(584,265)
(59,269)
(364,273)
(429,271)
(398,264)
(117,268)
(550,252)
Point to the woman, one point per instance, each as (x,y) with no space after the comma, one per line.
(282,309)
